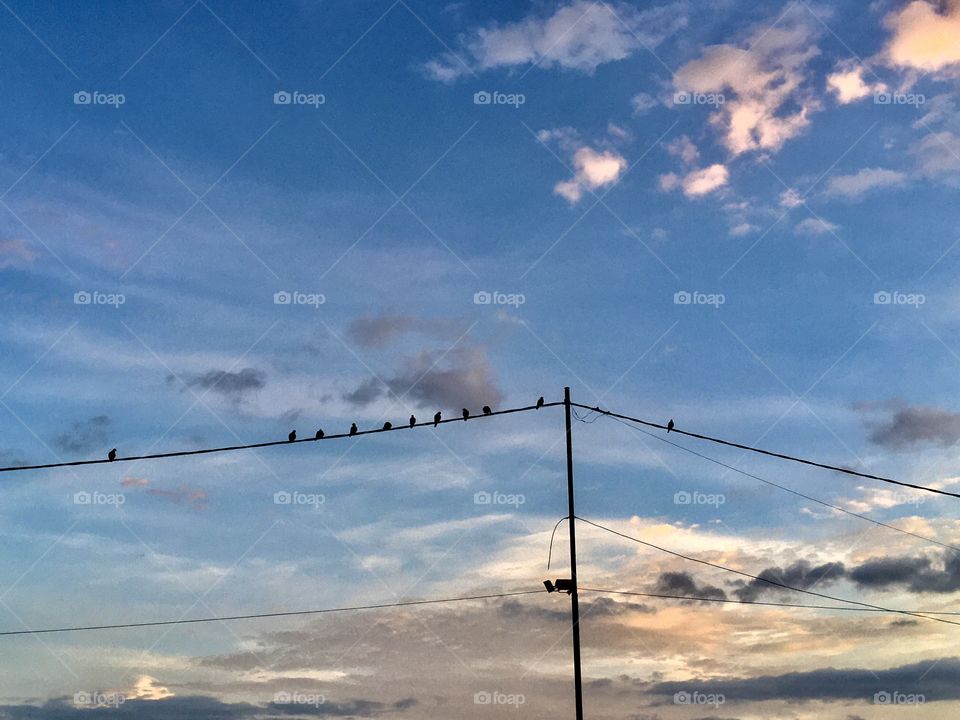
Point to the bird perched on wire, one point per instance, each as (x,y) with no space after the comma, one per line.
(353,429)
(487,410)
(112,455)
(319,434)
(292,436)
(540,402)
(436,419)
(465,413)
(388,425)
(670,425)
(413,421)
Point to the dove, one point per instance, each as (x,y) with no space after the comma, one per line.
(388,425)
(292,436)
(436,419)
(353,429)
(487,410)
(540,402)
(465,413)
(413,421)
(670,425)
(319,434)
(112,455)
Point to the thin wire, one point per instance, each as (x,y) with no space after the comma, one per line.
(766,580)
(550,552)
(266,615)
(752,602)
(770,453)
(789,490)
(272,443)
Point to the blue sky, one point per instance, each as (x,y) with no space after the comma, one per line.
(739,216)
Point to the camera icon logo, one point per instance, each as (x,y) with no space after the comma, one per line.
(682,98)
(681,698)
(881,698)
(82,498)
(82,98)
(882,298)
(282,298)
(482,97)
(482,298)
(682,498)
(282,97)
(82,698)
(882,98)
(482,498)
(682,298)
(282,698)
(81,298)
(282,498)
(482,698)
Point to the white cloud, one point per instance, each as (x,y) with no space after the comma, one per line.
(592,170)
(580,35)
(758,84)
(859,184)
(938,157)
(643,103)
(926,36)
(697,183)
(847,83)
(684,148)
(815,226)
(791,198)
(742,229)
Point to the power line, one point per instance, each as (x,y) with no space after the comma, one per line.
(156,623)
(272,443)
(790,490)
(763,579)
(770,453)
(755,602)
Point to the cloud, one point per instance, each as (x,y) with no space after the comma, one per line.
(226,383)
(855,186)
(936,679)
(767,100)
(134,482)
(916,574)
(579,35)
(14,251)
(681,583)
(433,378)
(815,227)
(195,498)
(592,170)
(914,425)
(800,574)
(379,330)
(938,157)
(683,148)
(925,36)
(742,229)
(643,103)
(697,183)
(847,83)
(86,435)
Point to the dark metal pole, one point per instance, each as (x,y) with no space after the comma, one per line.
(574,600)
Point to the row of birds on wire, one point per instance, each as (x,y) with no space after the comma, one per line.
(465,414)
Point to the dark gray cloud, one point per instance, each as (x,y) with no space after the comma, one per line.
(910,425)
(84,436)
(800,574)
(935,679)
(229,384)
(681,583)
(201,708)
(379,330)
(461,377)
(916,574)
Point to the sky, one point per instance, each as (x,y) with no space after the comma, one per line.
(223,221)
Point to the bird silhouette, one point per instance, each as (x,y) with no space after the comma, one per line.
(465,413)
(112,455)
(319,434)
(292,436)
(436,419)
(353,429)
(388,425)
(413,421)
(487,410)
(670,425)
(540,402)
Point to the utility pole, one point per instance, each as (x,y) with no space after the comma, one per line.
(574,600)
